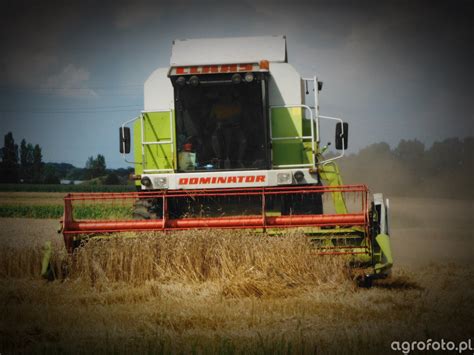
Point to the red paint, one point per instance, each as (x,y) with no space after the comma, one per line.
(245,67)
(222,180)
(73,227)
(89,226)
(206,69)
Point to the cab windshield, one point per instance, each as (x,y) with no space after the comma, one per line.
(220,126)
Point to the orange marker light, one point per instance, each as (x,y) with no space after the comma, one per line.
(264,65)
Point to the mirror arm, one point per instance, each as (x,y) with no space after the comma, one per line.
(123,129)
(324,162)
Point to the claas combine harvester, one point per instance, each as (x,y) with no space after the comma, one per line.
(230,138)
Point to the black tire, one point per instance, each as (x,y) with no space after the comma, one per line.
(144,209)
(364,282)
(49,275)
(301,204)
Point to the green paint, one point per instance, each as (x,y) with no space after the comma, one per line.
(383,240)
(156,127)
(290,122)
(330,173)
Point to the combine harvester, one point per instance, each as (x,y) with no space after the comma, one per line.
(229,138)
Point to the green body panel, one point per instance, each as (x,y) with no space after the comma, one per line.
(290,122)
(307,146)
(156,127)
(386,259)
(330,173)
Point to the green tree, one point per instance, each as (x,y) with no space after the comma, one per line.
(411,154)
(446,155)
(37,166)
(101,166)
(9,167)
(23,152)
(23,155)
(96,167)
(50,175)
(90,167)
(26,161)
(112,179)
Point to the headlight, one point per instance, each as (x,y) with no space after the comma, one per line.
(249,77)
(194,80)
(146,181)
(181,81)
(236,78)
(299,176)
(283,178)
(161,182)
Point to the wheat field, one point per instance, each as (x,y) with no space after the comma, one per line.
(220,292)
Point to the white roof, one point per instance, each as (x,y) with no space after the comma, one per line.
(234,50)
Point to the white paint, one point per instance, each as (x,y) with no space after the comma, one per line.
(285,85)
(233,179)
(228,50)
(158,91)
(379,201)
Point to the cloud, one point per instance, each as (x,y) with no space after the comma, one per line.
(134,14)
(27,68)
(71,81)
(31,42)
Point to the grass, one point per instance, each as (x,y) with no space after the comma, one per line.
(65,188)
(56,211)
(219,292)
(43,205)
(24,211)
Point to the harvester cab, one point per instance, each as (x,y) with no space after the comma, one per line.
(230,137)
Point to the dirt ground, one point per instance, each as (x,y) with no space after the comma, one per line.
(431,230)
(429,296)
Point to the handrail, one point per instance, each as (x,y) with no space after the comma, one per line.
(143,142)
(170,142)
(312,137)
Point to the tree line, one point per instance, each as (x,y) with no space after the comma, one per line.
(411,169)
(443,170)
(24,164)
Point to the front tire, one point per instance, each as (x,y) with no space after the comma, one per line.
(146,209)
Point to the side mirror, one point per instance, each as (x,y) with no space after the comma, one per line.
(124,140)
(342,135)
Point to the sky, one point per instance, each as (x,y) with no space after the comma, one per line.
(72,71)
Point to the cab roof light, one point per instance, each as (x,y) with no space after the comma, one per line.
(236,78)
(264,64)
